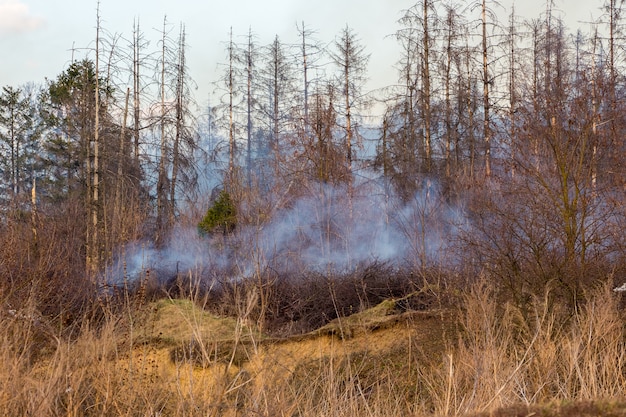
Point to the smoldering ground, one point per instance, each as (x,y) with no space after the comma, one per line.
(329,229)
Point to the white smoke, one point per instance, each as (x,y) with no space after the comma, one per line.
(331,229)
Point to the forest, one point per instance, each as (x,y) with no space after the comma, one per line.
(493,168)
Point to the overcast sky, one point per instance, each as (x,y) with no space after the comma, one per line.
(36,36)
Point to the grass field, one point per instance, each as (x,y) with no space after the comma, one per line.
(173,357)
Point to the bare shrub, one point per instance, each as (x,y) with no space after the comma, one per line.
(302,303)
(46,270)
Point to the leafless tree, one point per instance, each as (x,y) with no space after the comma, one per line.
(351,59)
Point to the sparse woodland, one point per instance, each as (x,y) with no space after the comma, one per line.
(480,200)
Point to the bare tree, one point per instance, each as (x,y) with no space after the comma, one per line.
(418,35)
(250,58)
(93,233)
(426,82)
(230,81)
(305,50)
(471,105)
(451,34)
(137,44)
(177,134)
(614,10)
(350,58)
(401,150)
(278,101)
(180,133)
(162,187)
(486,83)
(513,52)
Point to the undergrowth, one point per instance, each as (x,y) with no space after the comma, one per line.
(176,358)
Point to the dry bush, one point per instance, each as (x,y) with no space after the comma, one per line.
(522,238)
(292,304)
(45,271)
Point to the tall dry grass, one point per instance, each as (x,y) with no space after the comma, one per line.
(500,355)
(536,354)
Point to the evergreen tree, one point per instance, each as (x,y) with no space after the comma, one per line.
(20,132)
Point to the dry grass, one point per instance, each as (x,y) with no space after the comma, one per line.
(173,358)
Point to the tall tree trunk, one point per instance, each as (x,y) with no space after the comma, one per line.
(486,103)
(615,11)
(470,111)
(162,170)
(426,99)
(231,110)
(512,92)
(249,69)
(595,103)
(120,166)
(13,100)
(34,218)
(305,71)
(448,104)
(275,100)
(136,91)
(347,96)
(93,259)
(180,124)
(535,90)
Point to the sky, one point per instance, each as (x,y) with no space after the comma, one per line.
(37,36)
